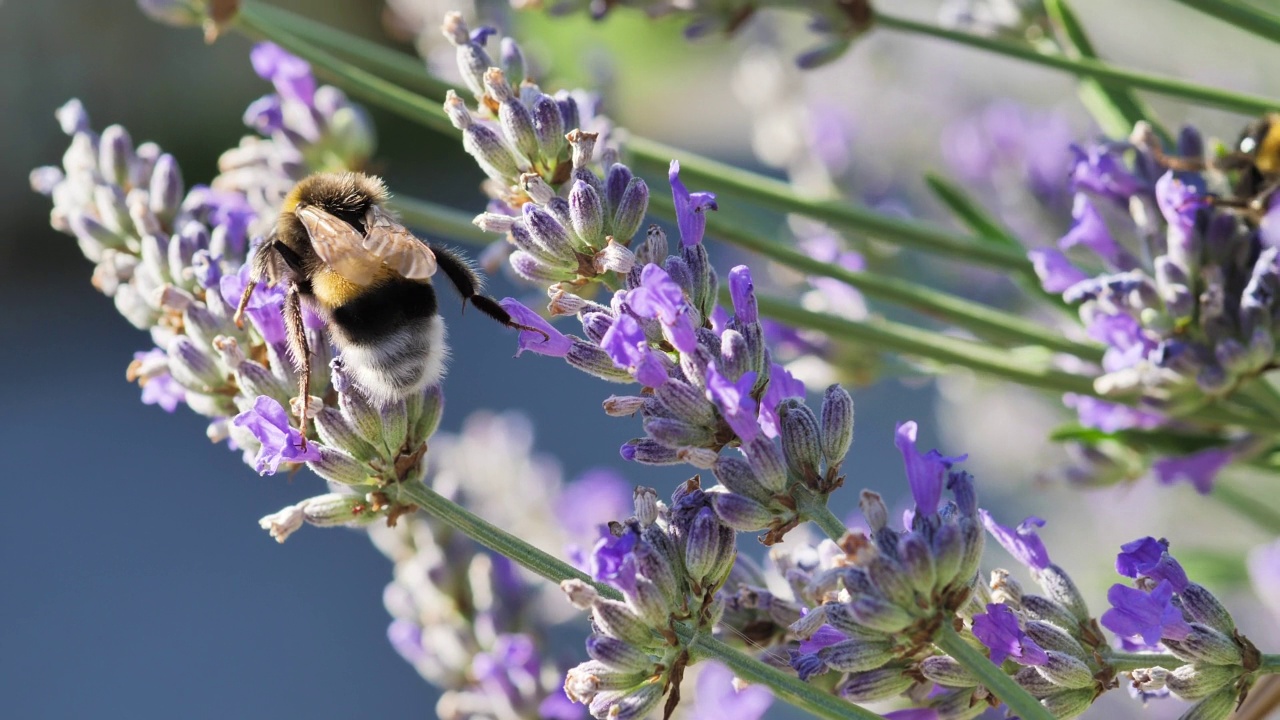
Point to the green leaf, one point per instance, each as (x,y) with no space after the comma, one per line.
(970,213)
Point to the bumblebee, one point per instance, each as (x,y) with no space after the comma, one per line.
(337,248)
(1253,166)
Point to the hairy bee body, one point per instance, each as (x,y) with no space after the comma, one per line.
(336,248)
(1257,158)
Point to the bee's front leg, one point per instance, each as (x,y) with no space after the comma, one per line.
(296,335)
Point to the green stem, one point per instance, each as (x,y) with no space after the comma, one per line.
(1265,394)
(1126,662)
(980,319)
(791,689)
(1086,67)
(814,507)
(358,83)
(432,217)
(1247,506)
(393,65)
(993,678)
(1246,18)
(778,195)
(784,686)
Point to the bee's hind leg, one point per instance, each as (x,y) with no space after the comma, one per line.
(468,284)
(296,336)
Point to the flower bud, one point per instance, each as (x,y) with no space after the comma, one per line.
(654,248)
(1192,682)
(916,560)
(165,191)
(617,654)
(801,441)
(115,154)
(646,505)
(948,672)
(743,292)
(649,603)
(837,424)
(1204,645)
(550,240)
(741,512)
(580,594)
(649,452)
(192,367)
(702,545)
(1217,706)
(734,356)
(614,257)
(1038,607)
(879,684)
(703,276)
(857,655)
(633,705)
(1201,605)
(425,411)
(1068,703)
(1058,585)
(675,433)
(331,426)
(337,466)
(879,614)
(767,463)
(586,214)
(617,620)
(1066,671)
(623,405)
(737,477)
(592,360)
(582,145)
(548,127)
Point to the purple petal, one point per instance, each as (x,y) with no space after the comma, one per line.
(1135,557)
(290,74)
(925,473)
(1055,271)
(1200,469)
(998,629)
(824,637)
(1151,616)
(735,402)
(1108,416)
(1022,543)
(782,385)
(690,208)
(558,706)
(265,114)
(556,345)
(1091,231)
(716,697)
(279,441)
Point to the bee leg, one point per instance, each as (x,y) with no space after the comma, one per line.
(296,335)
(468,283)
(244,302)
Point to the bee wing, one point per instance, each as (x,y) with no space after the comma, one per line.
(339,245)
(394,245)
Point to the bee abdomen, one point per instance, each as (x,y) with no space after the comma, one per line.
(391,339)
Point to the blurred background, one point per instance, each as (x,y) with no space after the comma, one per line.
(137,583)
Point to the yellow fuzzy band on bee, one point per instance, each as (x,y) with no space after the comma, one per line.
(334,290)
(1268,155)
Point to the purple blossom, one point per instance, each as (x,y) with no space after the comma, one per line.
(558,706)
(825,636)
(743,293)
(511,663)
(627,346)
(595,498)
(717,698)
(1022,542)
(998,629)
(1151,616)
(265,114)
(1091,231)
(265,305)
(719,320)
(291,75)
(782,385)
(556,345)
(159,388)
(1127,342)
(1100,170)
(1200,468)
(280,441)
(612,560)
(1148,557)
(658,296)
(406,639)
(690,208)
(225,209)
(1108,416)
(1179,202)
(1055,271)
(735,402)
(925,473)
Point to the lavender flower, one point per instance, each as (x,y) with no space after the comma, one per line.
(669,564)
(998,629)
